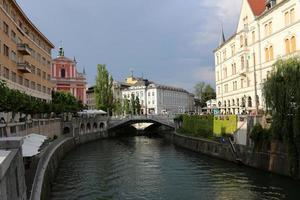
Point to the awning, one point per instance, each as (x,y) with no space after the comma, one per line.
(32,144)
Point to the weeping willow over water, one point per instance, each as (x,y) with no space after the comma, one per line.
(282,96)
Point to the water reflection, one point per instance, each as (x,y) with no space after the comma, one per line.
(146,168)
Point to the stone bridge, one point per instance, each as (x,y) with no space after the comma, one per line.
(129,120)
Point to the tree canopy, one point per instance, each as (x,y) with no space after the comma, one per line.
(204,92)
(103,89)
(282,97)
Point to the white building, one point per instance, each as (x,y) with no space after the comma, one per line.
(160,99)
(268,30)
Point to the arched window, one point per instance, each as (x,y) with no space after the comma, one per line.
(293,44)
(267,54)
(238,102)
(271,52)
(233,103)
(63,73)
(242,62)
(287,46)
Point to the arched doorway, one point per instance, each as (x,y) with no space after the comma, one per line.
(66,130)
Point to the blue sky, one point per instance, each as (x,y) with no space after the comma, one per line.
(167,41)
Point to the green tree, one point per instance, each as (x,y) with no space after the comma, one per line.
(137,105)
(103,89)
(118,108)
(126,106)
(282,97)
(132,105)
(204,92)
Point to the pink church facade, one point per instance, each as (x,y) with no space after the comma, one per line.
(65,77)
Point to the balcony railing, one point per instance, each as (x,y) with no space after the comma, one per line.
(24,49)
(24,67)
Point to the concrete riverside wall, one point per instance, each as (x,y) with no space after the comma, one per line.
(12,172)
(274,161)
(49,162)
(208,147)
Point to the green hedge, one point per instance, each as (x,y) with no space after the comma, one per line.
(208,125)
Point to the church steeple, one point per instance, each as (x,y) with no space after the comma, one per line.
(222,37)
(61,51)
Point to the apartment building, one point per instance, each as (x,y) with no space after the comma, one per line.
(25,53)
(267,30)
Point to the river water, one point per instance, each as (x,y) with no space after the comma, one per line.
(141,168)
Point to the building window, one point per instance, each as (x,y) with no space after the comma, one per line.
(5,28)
(33,85)
(44,75)
(271,52)
(286,18)
(270,28)
(38,72)
(63,73)
(32,69)
(253,37)
(233,69)
(287,46)
(293,44)
(6,73)
(20,80)
(232,50)
(242,62)
(292,15)
(13,76)
(39,87)
(13,36)
(13,56)
(225,72)
(6,50)
(26,83)
(242,40)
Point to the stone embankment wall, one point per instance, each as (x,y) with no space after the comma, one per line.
(47,127)
(208,147)
(12,178)
(50,159)
(275,161)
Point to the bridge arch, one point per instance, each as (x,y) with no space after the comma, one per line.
(82,128)
(95,126)
(88,127)
(101,125)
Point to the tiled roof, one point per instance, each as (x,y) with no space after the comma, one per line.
(257,6)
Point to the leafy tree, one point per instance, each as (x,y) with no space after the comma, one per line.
(282,97)
(118,109)
(126,106)
(137,105)
(204,92)
(103,89)
(199,88)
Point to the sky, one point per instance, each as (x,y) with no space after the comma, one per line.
(167,41)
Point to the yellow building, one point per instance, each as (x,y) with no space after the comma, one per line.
(25,53)
(267,30)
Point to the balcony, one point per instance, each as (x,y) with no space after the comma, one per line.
(24,67)
(244,71)
(24,49)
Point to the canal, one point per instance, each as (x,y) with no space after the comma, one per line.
(142,168)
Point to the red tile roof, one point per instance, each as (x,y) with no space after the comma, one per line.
(257,6)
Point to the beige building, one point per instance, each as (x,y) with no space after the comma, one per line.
(25,53)
(267,31)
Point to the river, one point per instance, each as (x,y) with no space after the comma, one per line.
(142,168)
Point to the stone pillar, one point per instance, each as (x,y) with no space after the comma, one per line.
(12,172)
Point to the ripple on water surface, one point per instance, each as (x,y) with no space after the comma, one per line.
(143,168)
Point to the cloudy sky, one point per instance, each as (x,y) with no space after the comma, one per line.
(167,41)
